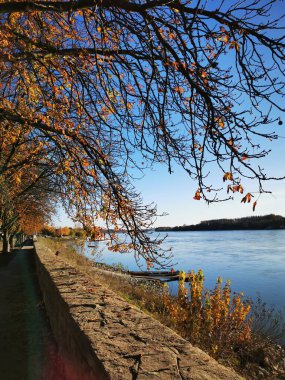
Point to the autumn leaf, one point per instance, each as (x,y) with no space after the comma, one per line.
(226,38)
(228,176)
(175,65)
(197,196)
(131,89)
(18,179)
(235,45)
(220,122)
(247,198)
(179,89)
(254,205)
(238,188)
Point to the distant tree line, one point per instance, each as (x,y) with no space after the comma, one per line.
(248,223)
(63,232)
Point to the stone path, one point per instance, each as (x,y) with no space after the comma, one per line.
(27,348)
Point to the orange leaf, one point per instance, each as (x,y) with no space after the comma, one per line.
(197,196)
(254,205)
(228,176)
(179,89)
(220,122)
(247,198)
(235,45)
(238,188)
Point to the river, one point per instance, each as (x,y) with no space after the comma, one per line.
(254,261)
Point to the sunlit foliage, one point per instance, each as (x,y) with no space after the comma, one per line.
(217,319)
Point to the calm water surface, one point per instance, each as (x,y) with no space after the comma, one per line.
(253,260)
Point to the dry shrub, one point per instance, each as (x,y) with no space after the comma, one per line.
(216,320)
(268,323)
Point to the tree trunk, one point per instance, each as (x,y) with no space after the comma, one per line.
(11,241)
(6,245)
(19,238)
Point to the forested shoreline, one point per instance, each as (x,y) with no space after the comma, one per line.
(265,222)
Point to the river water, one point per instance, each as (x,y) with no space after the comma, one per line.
(254,261)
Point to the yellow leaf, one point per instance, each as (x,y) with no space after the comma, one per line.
(228,176)
(235,45)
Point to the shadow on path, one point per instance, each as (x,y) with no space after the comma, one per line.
(5,259)
(27,348)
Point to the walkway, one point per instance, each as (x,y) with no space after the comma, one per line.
(27,349)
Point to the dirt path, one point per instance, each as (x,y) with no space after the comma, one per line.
(27,348)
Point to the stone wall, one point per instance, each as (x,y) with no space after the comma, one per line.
(103,337)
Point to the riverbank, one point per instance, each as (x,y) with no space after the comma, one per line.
(28,349)
(260,360)
(114,338)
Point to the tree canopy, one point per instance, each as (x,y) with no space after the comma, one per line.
(109,88)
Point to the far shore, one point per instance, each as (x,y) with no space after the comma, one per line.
(266,222)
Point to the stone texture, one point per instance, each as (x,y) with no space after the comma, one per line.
(111,339)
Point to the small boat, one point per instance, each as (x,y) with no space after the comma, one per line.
(156,274)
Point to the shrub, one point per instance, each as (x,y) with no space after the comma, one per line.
(216,320)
